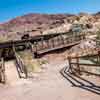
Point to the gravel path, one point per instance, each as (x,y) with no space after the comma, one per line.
(47,85)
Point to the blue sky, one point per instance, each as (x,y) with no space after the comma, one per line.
(11,8)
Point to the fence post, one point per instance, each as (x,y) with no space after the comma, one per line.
(53,42)
(62,39)
(70,65)
(47,43)
(2,71)
(58,41)
(31,47)
(77,60)
(98,57)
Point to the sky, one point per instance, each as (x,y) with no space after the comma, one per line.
(10,9)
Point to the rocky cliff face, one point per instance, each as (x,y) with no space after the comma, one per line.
(35,24)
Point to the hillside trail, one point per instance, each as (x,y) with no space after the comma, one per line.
(47,85)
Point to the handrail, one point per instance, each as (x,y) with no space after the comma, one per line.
(21,68)
(92,65)
(62,41)
(2,71)
(78,64)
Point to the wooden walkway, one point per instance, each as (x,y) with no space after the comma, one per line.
(55,43)
(40,44)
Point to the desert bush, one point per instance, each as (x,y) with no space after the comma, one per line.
(33,65)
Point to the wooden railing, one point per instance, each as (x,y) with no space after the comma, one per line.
(58,42)
(42,43)
(21,68)
(75,66)
(2,71)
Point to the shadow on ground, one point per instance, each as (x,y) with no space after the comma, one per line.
(78,81)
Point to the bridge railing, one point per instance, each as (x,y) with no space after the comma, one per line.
(60,40)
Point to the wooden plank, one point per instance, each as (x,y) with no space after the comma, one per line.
(22,42)
(83,56)
(70,65)
(87,72)
(21,68)
(62,39)
(2,71)
(92,65)
(78,65)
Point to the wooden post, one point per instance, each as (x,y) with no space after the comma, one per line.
(67,40)
(62,40)
(47,41)
(98,57)
(53,44)
(69,63)
(36,49)
(58,40)
(31,47)
(42,42)
(3,71)
(77,60)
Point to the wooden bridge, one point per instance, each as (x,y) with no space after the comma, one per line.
(55,43)
(38,45)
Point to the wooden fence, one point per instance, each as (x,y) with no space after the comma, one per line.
(2,71)
(77,67)
(21,68)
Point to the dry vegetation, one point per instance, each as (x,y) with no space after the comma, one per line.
(33,65)
(35,24)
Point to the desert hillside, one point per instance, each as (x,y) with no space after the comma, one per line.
(35,24)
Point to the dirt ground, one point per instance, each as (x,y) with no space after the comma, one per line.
(46,85)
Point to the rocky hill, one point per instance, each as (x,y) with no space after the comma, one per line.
(35,24)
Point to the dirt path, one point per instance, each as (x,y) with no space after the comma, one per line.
(11,73)
(47,85)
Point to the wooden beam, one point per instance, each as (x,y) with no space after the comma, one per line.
(92,65)
(70,64)
(78,65)
(87,72)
